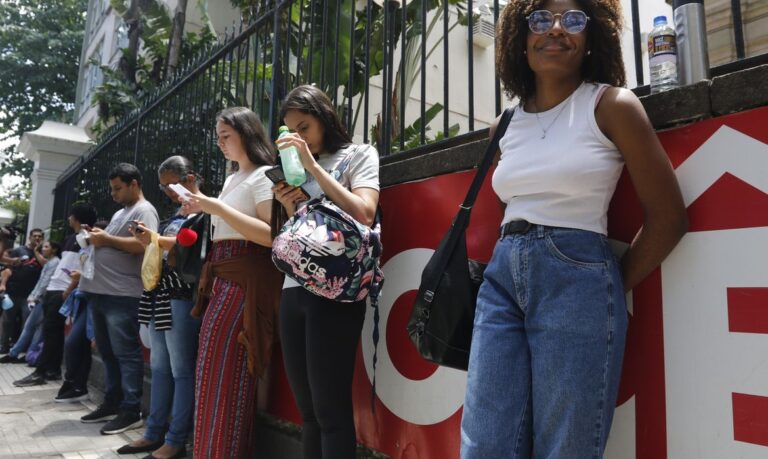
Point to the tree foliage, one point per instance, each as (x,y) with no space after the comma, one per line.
(143,65)
(320,36)
(40,44)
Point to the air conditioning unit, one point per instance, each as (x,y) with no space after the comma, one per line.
(483,31)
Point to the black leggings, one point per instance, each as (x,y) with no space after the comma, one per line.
(319,339)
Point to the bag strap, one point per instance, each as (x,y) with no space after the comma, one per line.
(344,163)
(490,153)
(461,221)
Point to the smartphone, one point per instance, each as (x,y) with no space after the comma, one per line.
(182,192)
(276,175)
(134,225)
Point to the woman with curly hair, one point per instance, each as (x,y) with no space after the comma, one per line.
(551,318)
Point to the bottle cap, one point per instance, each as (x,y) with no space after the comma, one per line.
(659,20)
(282,129)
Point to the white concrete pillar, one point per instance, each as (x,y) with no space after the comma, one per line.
(53,147)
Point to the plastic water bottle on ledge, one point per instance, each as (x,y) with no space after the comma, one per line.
(289,157)
(662,52)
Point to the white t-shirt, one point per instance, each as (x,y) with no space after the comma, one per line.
(566,179)
(243,195)
(362,172)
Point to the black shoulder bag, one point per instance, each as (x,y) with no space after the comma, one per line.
(189,260)
(444,311)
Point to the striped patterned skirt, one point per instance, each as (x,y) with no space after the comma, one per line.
(225,416)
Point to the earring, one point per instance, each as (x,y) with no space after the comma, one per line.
(525,51)
(589,51)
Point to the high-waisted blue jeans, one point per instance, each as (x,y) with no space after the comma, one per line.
(172,359)
(547,348)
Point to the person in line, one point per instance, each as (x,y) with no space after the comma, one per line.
(320,336)
(173,332)
(238,292)
(113,300)
(551,317)
(31,335)
(17,282)
(80,339)
(63,282)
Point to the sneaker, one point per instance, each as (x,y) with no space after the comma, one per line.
(72,396)
(125,420)
(8,358)
(66,386)
(52,375)
(100,414)
(34,379)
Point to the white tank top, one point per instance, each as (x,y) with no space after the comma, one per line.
(566,179)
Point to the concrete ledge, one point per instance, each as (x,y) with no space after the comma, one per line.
(740,91)
(453,159)
(680,105)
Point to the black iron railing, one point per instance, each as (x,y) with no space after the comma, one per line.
(397,74)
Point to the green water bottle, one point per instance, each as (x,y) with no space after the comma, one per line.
(289,157)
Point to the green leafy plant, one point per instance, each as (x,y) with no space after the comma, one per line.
(140,72)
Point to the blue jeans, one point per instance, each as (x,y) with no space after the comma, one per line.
(547,348)
(116,328)
(172,360)
(77,352)
(32,332)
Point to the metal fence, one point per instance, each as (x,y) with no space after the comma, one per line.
(387,66)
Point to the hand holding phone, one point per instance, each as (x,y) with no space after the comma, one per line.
(133,226)
(182,192)
(276,175)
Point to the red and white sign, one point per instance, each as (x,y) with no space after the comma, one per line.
(695,380)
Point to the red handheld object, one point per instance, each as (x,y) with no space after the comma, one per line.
(186,237)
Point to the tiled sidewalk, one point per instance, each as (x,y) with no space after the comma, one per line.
(32,425)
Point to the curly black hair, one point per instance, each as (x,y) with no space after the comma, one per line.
(604,65)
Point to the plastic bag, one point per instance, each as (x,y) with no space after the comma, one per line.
(152,265)
(87,258)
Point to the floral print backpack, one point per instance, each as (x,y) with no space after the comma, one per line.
(328,252)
